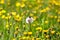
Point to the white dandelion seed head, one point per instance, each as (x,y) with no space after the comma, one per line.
(29,20)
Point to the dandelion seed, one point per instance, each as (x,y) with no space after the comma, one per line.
(29,20)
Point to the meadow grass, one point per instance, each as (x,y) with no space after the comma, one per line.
(45,25)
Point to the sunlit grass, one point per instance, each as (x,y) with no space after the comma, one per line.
(45,14)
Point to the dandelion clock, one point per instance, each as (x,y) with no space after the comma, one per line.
(29,19)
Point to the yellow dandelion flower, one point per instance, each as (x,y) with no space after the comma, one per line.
(35,17)
(13,39)
(17,4)
(37,8)
(58,16)
(37,38)
(1,8)
(22,5)
(54,2)
(3,11)
(29,33)
(9,16)
(8,3)
(27,11)
(45,30)
(25,33)
(34,11)
(0,13)
(7,26)
(16,27)
(46,22)
(23,26)
(55,16)
(19,19)
(16,32)
(57,3)
(39,28)
(3,16)
(31,14)
(13,13)
(52,32)
(58,20)
(42,10)
(6,17)
(17,16)
(38,1)
(47,8)
(24,0)
(33,38)
(59,12)
(10,23)
(24,37)
(51,16)
(47,36)
(28,37)
(30,6)
(2,1)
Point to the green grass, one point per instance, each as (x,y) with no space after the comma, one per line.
(50,15)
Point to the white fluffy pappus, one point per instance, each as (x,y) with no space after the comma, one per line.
(29,20)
